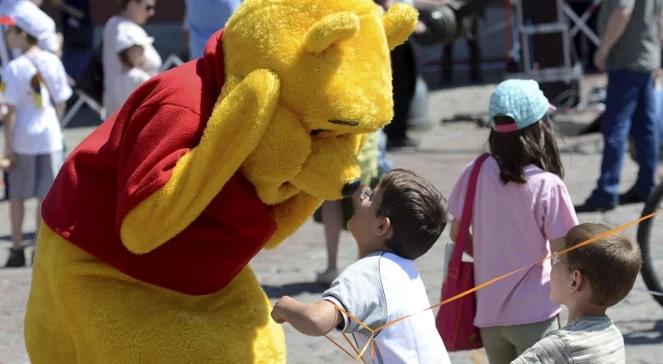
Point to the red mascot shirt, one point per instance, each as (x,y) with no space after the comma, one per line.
(130,156)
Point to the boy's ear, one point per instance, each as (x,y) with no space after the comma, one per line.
(577,281)
(384,228)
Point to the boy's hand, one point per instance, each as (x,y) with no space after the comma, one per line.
(279,314)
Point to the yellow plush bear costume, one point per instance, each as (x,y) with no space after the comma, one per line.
(150,225)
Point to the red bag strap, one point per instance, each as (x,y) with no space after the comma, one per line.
(466,217)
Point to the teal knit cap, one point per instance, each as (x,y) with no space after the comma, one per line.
(521,100)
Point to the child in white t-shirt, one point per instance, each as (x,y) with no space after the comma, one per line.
(35,89)
(130,48)
(394,224)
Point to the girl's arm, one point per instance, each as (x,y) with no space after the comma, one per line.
(455,224)
(313,319)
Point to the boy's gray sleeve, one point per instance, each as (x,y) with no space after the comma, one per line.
(358,290)
(549,350)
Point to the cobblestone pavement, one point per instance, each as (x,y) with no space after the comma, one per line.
(445,149)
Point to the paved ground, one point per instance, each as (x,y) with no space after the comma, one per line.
(445,150)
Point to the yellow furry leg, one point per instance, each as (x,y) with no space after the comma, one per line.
(82,310)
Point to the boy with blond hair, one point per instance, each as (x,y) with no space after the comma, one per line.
(587,281)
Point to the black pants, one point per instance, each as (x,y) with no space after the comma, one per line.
(404,78)
(475,55)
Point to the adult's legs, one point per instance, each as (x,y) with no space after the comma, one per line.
(16,214)
(475,52)
(332,220)
(621,102)
(403,83)
(646,135)
(447,62)
(22,177)
(47,167)
(16,256)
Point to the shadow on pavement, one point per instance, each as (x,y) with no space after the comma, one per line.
(292,289)
(654,335)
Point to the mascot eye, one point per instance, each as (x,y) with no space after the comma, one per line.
(315,132)
(345,122)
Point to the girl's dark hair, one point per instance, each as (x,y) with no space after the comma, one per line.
(534,144)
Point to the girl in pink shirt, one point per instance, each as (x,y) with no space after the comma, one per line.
(521,209)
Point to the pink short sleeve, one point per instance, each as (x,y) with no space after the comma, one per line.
(457,197)
(555,210)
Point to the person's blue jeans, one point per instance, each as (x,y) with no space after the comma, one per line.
(630,109)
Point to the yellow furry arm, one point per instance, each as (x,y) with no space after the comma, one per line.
(238,122)
(399,22)
(290,215)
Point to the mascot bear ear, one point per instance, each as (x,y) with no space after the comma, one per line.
(399,22)
(331,29)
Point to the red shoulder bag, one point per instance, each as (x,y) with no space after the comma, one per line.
(455,320)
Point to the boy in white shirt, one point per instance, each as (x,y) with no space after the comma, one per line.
(35,89)
(394,224)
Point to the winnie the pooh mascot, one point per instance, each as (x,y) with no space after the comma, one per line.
(148,229)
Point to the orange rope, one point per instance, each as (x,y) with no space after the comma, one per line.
(480,286)
(352,345)
(340,347)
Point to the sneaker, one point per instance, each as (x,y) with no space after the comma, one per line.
(630,197)
(327,276)
(594,206)
(16,258)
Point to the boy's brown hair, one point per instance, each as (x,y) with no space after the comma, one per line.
(416,209)
(611,264)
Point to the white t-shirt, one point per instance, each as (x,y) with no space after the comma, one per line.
(111,61)
(382,287)
(127,83)
(36,127)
